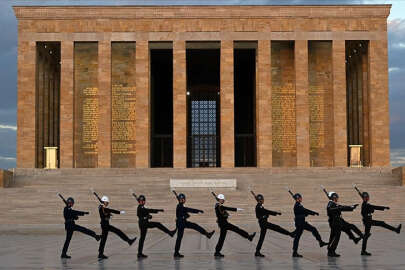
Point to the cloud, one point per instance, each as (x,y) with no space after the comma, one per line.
(394,69)
(8,127)
(8,158)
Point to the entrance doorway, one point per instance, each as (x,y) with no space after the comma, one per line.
(203,107)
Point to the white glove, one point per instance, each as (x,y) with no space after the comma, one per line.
(239,209)
(122,212)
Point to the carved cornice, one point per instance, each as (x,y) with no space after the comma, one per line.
(195,12)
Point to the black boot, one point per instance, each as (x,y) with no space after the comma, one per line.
(333,254)
(258,254)
(172,233)
(292,234)
(131,241)
(251,237)
(98,237)
(178,255)
(142,256)
(296,255)
(322,243)
(65,256)
(102,256)
(365,253)
(356,240)
(219,255)
(398,230)
(209,235)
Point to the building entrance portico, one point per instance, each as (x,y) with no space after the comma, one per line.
(202,86)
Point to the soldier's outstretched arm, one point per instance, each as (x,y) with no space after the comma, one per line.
(377,207)
(193,210)
(228,208)
(273,213)
(79,213)
(112,211)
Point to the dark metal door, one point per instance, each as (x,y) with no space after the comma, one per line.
(203,129)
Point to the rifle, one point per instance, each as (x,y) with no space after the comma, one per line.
(324,190)
(358,191)
(95,194)
(215,196)
(289,191)
(175,194)
(63,199)
(133,194)
(254,195)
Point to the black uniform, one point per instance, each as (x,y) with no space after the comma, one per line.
(224,225)
(144,215)
(262,214)
(70,216)
(366,211)
(337,224)
(300,213)
(105,215)
(182,214)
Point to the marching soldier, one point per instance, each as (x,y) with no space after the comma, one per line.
(224,225)
(70,216)
(337,223)
(105,215)
(144,215)
(300,213)
(367,210)
(262,215)
(182,214)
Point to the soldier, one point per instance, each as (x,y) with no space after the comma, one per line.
(182,223)
(105,215)
(337,223)
(262,215)
(300,224)
(224,225)
(70,216)
(366,211)
(144,215)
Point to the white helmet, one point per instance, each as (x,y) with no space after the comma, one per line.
(221,197)
(105,199)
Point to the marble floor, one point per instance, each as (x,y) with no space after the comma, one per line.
(29,251)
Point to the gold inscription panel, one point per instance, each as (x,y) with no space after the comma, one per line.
(320,103)
(123,100)
(283,104)
(86,104)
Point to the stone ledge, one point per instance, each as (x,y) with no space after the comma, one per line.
(177,12)
(203,183)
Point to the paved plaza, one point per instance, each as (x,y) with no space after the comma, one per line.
(42,251)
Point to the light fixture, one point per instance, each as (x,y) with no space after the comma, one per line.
(188,93)
(355,51)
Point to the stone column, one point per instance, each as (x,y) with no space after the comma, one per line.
(366,149)
(104,94)
(227,105)
(378,104)
(302,115)
(263,105)
(339,103)
(26,105)
(66,105)
(142,105)
(179,105)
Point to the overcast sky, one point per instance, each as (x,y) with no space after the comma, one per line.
(8,63)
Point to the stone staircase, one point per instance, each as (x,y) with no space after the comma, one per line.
(32,201)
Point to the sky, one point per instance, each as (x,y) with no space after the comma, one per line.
(8,62)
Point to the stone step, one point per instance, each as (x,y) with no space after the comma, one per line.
(32,199)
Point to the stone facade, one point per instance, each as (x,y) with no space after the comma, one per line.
(302,26)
